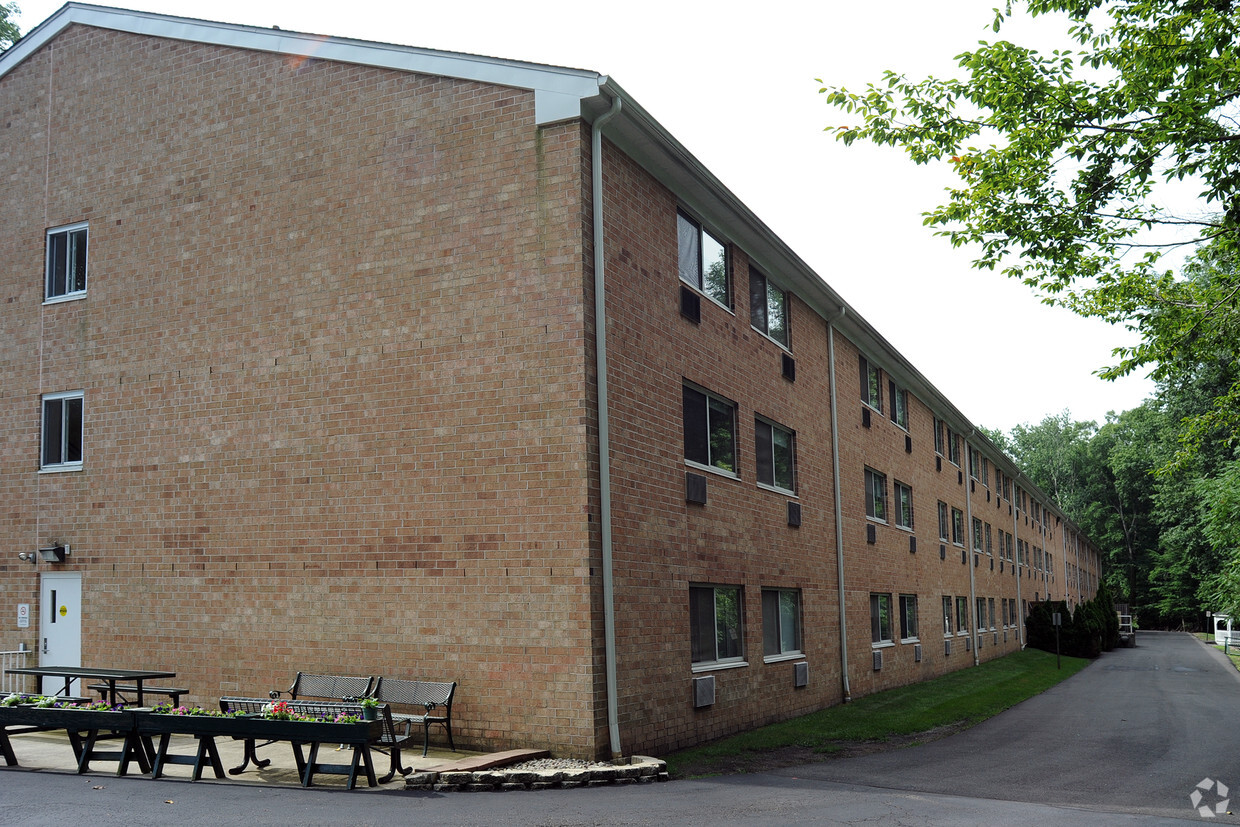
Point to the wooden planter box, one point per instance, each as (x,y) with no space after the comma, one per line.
(247,726)
(73,722)
(206,728)
(80,720)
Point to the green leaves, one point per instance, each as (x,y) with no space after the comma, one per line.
(8,29)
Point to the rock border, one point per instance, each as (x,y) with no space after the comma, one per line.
(638,769)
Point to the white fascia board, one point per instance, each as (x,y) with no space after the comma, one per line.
(558,91)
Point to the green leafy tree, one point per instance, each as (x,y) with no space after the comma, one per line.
(8,29)
(1061,157)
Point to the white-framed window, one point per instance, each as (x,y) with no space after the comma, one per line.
(990,605)
(65,275)
(781,622)
(944,523)
(1003,606)
(953,447)
(940,443)
(875,495)
(703,260)
(871,384)
(958,527)
(986,529)
(775,451)
(61,448)
(768,308)
(908,617)
(985,472)
(977,534)
(899,404)
(710,430)
(962,615)
(981,614)
(904,505)
(947,616)
(716,628)
(975,464)
(880,618)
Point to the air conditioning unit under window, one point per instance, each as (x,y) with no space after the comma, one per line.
(878,660)
(703,691)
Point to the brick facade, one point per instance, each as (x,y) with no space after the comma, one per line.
(340,414)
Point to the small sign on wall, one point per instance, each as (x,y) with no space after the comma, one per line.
(23,615)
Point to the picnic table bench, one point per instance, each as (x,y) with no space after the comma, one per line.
(105,691)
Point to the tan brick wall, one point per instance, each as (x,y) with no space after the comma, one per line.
(334,370)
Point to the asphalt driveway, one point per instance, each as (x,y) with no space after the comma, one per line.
(1135,732)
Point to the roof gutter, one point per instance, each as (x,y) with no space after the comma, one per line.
(604,426)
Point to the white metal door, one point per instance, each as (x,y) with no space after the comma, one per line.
(60,625)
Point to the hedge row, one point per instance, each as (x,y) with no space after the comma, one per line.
(1086,633)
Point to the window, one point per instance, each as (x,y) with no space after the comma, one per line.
(768,308)
(875,495)
(977,534)
(871,385)
(938,437)
(953,448)
(947,616)
(975,464)
(958,526)
(990,605)
(62,430)
(710,430)
(66,262)
(781,622)
(962,615)
(981,614)
(715,624)
(944,530)
(880,618)
(908,617)
(1006,612)
(776,456)
(703,260)
(899,405)
(986,528)
(904,505)
(985,472)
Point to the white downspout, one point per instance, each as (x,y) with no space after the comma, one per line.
(604,427)
(1020,569)
(839,510)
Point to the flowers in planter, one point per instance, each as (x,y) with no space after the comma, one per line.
(166,708)
(283,711)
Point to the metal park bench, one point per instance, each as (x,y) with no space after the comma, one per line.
(327,687)
(435,699)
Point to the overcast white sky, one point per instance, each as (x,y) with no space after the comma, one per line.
(737,87)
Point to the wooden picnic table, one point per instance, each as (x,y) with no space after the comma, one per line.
(107,674)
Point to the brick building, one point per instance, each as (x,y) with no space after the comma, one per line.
(301,370)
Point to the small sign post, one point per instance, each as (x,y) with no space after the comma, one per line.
(23,615)
(1057,621)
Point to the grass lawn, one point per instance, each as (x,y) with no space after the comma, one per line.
(956,700)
